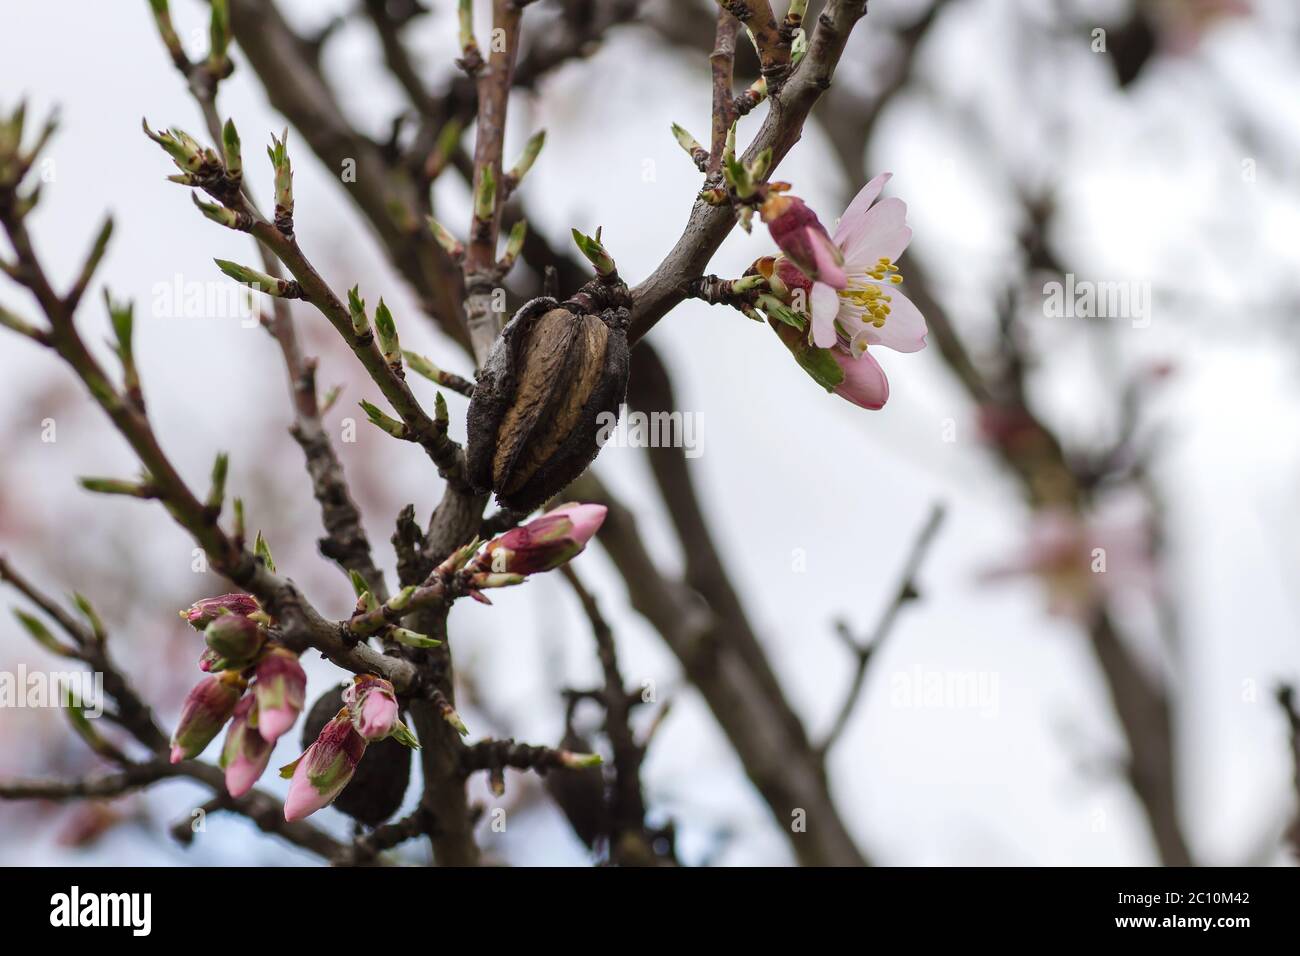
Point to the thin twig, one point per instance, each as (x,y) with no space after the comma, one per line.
(627,804)
(866,650)
(722,63)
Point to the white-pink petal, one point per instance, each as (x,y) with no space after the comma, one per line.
(904,330)
(881,233)
(858,208)
(825,305)
(865,384)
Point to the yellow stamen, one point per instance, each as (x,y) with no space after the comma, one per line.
(869,296)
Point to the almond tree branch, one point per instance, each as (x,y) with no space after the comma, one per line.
(722,62)
(100,786)
(1286,700)
(368,846)
(709,225)
(1141,705)
(481,271)
(396,57)
(386,195)
(303,626)
(345,540)
(773,46)
(865,650)
(769,741)
(429,434)
(627,808)
(91,648)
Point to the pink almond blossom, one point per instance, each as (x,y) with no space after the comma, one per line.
(856,303)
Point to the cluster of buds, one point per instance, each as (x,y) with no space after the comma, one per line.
(200,167)
(255,685)
(370,714)
(220,175)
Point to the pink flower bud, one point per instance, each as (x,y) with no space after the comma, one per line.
(373,704)
(800,235)
(245,754)
(206,710)
(235,638)
(202,613)
(321,773)
(546,542)
(281,688)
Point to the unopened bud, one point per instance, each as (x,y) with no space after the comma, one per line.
(231,151)
(206,710)
(385,422)
(281,689)
(320,774)
(450,244)
(279,153)
(246,752)
(485,196)
(260,281)
(203,612)
(185,151)
(514,245)
(386,329)
(531,151)
(235,638)
(546,542)
(373,704)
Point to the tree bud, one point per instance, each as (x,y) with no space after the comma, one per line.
(202,613)
(235,638)
(206,710)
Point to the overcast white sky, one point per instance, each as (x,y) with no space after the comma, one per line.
(1152,190)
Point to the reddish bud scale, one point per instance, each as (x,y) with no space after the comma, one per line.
(206,710)
(544,543)
(801,236)
(202,613)
(373,704)
(325,769)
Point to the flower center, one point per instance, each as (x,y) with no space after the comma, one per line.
(871,296)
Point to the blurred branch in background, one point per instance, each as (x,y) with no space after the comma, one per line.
(1048,477)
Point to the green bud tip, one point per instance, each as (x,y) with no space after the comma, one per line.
(532,149)
(231,147)
(263,550)
(359,584)
(485,197)
(450,244)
